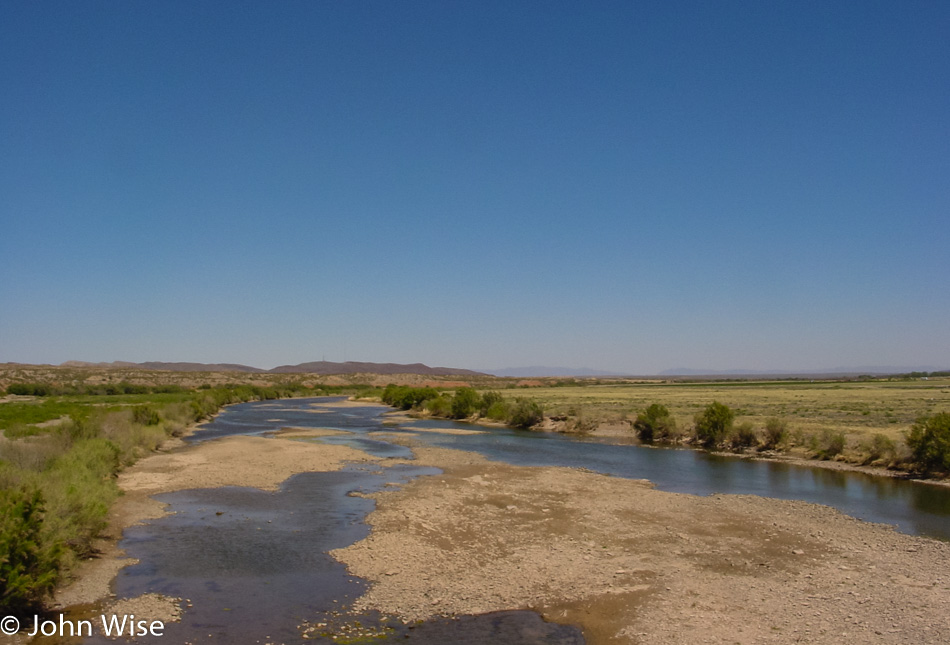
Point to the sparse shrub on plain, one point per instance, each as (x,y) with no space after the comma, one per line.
(743,436)
(581,424)
(714,424)
(526,413)
(799,438)
(828,443)
(776,434)
(489,399)
(146,415)
(34,454)
(655,424)
(880,447)
(929,443)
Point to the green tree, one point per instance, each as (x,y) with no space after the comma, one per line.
(465,403)
(929,443)
(714,424)
(655,424)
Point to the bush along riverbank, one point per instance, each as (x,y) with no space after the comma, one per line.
(60,453)
(924,450)
(467,404)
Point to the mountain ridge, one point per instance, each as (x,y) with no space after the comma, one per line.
(313,367)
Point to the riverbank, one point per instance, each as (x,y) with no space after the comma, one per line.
(625,561)
(632,564)
(255,462)
(621,433)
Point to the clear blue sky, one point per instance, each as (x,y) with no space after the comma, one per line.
(619,185)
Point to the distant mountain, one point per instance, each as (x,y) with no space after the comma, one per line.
(354,367)
(538,370)
(861,369)
(170,367)
(318,367)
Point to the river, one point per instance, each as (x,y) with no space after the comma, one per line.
(255,568)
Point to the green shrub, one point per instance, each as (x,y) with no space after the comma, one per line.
(29,563)
(146,415)
(880,447)
(489,399)
(405,398)
(776,434)
(714,424)
(743,436)
(78,488)
(929,443)
(33,455)
(465,403)
(498,411)
(526,413)
(655,424)
(828,443)
(29,389)
(440,406)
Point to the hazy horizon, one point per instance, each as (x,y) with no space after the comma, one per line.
(617,186)
(552,371)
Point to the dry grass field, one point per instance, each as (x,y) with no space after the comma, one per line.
(858,408)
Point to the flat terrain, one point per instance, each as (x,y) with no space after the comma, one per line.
(854,406)
(631,564)
(872,417)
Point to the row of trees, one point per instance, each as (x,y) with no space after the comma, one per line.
(101,389)
(466,403)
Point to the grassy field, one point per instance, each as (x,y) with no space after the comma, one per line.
(857,408)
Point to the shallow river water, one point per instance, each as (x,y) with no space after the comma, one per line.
(254,564)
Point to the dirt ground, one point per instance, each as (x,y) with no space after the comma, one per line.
(632,564)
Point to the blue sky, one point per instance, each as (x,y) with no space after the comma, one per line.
(624,186)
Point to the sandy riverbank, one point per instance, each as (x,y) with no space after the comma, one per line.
(628,563)
(632,564)
(234,461)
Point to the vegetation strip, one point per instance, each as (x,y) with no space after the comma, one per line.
(61,452)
